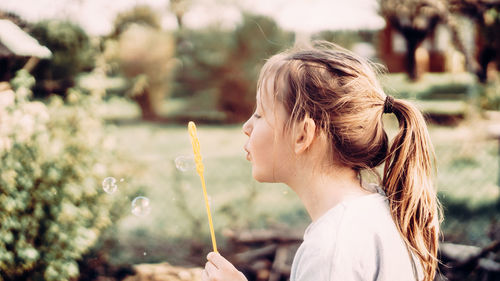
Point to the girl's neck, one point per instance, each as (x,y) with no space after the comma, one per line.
(321,190)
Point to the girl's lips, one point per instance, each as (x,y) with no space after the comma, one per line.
(248,153)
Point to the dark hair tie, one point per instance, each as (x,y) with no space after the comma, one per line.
(389,101)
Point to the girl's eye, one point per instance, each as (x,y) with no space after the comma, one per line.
(257,116)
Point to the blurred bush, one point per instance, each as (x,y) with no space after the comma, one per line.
(347,38)
(225,64)
(145,57)
(72,53)
(144,54)
(431,86)
(52,159)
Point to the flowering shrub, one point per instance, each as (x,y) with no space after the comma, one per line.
(52,160)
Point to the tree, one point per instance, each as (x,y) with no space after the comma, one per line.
(224,65)
(486,15)
(179,8)
(415,20)
(142,15)
(255,39)
(146,58)
(145,55)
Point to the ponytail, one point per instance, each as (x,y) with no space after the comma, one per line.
(408,183)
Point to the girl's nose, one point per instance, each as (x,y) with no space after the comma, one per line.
(247,128)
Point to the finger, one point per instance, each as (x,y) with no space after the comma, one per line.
(204,275)
(219,261)
(210,268)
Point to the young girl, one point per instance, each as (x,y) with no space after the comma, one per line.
(317,125)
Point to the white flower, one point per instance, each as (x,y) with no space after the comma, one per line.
(5,144)
(5,123)
(25,127)
(99,169)
(37,109)
(6,98)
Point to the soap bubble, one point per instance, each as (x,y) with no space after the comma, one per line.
(184,163)
(141,206)
(109,185)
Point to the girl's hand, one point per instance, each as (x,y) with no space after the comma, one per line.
(219,269)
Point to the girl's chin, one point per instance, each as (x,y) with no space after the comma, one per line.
(257,177)
(262,178)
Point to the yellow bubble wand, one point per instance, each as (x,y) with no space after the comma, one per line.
(199,168)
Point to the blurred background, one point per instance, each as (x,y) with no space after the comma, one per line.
(96,172)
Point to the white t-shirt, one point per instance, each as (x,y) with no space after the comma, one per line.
(355,240)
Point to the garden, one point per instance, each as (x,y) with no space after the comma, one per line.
(97,177)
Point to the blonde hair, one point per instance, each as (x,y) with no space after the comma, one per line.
(341,93)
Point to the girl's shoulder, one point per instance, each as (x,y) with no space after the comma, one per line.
(356,238)
(355,218)
(367,214)
(368,237)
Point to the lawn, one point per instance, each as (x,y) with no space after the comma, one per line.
(177,230)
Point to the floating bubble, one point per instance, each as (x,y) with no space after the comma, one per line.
(141,206)
(184,163)
(144,253)
(109,185)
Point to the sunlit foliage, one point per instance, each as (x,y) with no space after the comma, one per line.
(52,159)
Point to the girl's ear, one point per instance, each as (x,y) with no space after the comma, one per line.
(305,132)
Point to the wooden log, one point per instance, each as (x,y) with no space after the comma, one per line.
(164,271)
(279,263)
(262,275)
(462,260)
(260,269)
(256,254)
(489,265)
(472,261)
(261,265)
(457,252)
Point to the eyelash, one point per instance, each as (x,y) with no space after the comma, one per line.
(256,116)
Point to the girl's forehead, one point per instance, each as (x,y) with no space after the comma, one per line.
(270,72)
(272,82)
(265,93)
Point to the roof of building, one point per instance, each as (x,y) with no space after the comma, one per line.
(16,41)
